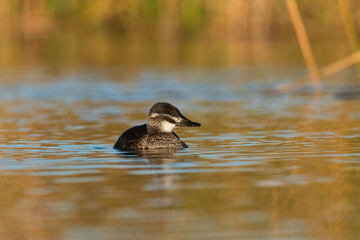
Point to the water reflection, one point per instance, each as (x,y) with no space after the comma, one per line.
(162,172)
(154,156)
(261,167)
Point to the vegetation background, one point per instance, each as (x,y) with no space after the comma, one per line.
(113,32)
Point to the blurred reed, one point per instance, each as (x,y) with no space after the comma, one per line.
(350,27)
(59,33)
(304,44)
(315,75)
(239,20)
(323,72)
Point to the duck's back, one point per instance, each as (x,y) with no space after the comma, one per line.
(137,138)
(131,137)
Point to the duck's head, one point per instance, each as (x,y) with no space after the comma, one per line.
(164,117)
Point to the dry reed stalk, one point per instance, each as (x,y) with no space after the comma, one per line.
(340,65)
(350,28)
(324,72)
(304,44)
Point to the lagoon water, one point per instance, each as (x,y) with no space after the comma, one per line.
(260,166)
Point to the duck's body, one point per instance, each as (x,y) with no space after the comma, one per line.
(138,138)
(158,132)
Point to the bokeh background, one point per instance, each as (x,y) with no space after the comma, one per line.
(70,33)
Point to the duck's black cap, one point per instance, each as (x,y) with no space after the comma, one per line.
(164,108)
(168,109)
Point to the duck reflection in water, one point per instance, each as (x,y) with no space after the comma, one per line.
(154,156)
(162,174)
(158,132)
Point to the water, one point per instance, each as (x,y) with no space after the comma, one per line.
(259,167)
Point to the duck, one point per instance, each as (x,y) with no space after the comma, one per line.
(158,132)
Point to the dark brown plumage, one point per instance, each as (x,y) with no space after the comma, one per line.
(157,133)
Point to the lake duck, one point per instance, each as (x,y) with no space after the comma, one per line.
(158,132)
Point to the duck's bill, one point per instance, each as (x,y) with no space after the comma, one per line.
(187,123)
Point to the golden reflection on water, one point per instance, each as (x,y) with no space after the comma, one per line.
(250,173)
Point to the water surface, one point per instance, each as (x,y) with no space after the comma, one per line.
(259,167)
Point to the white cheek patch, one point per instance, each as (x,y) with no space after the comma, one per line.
(167,127)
